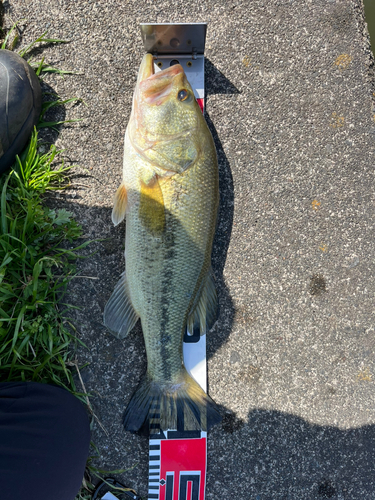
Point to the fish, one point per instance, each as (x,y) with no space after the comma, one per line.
(169,197)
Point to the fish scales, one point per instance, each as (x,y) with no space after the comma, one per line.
(167,272)
(170,184)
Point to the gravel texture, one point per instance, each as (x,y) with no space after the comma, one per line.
(291,358)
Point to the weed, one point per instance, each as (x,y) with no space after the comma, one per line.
(35,268)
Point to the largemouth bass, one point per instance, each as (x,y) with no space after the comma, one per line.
(169,195)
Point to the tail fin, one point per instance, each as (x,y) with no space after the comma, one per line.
(184,403)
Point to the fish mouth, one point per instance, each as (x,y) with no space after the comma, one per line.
(147,70)
(156,86)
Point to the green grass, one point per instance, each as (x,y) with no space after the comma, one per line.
(35,268)
(11,40)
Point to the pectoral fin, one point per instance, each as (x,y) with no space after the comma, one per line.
(204,313)
(119,314)
(120,203)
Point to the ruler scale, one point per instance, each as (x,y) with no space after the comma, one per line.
(178,458)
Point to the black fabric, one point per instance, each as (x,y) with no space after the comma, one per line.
(44,442)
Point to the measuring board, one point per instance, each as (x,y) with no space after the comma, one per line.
(178,458)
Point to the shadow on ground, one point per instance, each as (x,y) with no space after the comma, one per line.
(284,457)
(216,82)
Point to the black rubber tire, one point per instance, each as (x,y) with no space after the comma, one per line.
(20,105)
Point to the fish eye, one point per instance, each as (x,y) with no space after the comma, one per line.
(183,95)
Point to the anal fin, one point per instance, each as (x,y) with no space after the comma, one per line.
(204,312)
(119,314)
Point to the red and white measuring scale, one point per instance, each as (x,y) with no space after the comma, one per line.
(178,458)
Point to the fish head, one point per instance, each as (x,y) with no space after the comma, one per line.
(165,121)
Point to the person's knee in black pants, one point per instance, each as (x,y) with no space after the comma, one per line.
(44,442)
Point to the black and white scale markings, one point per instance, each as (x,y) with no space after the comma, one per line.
(154,454)
(154,470)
